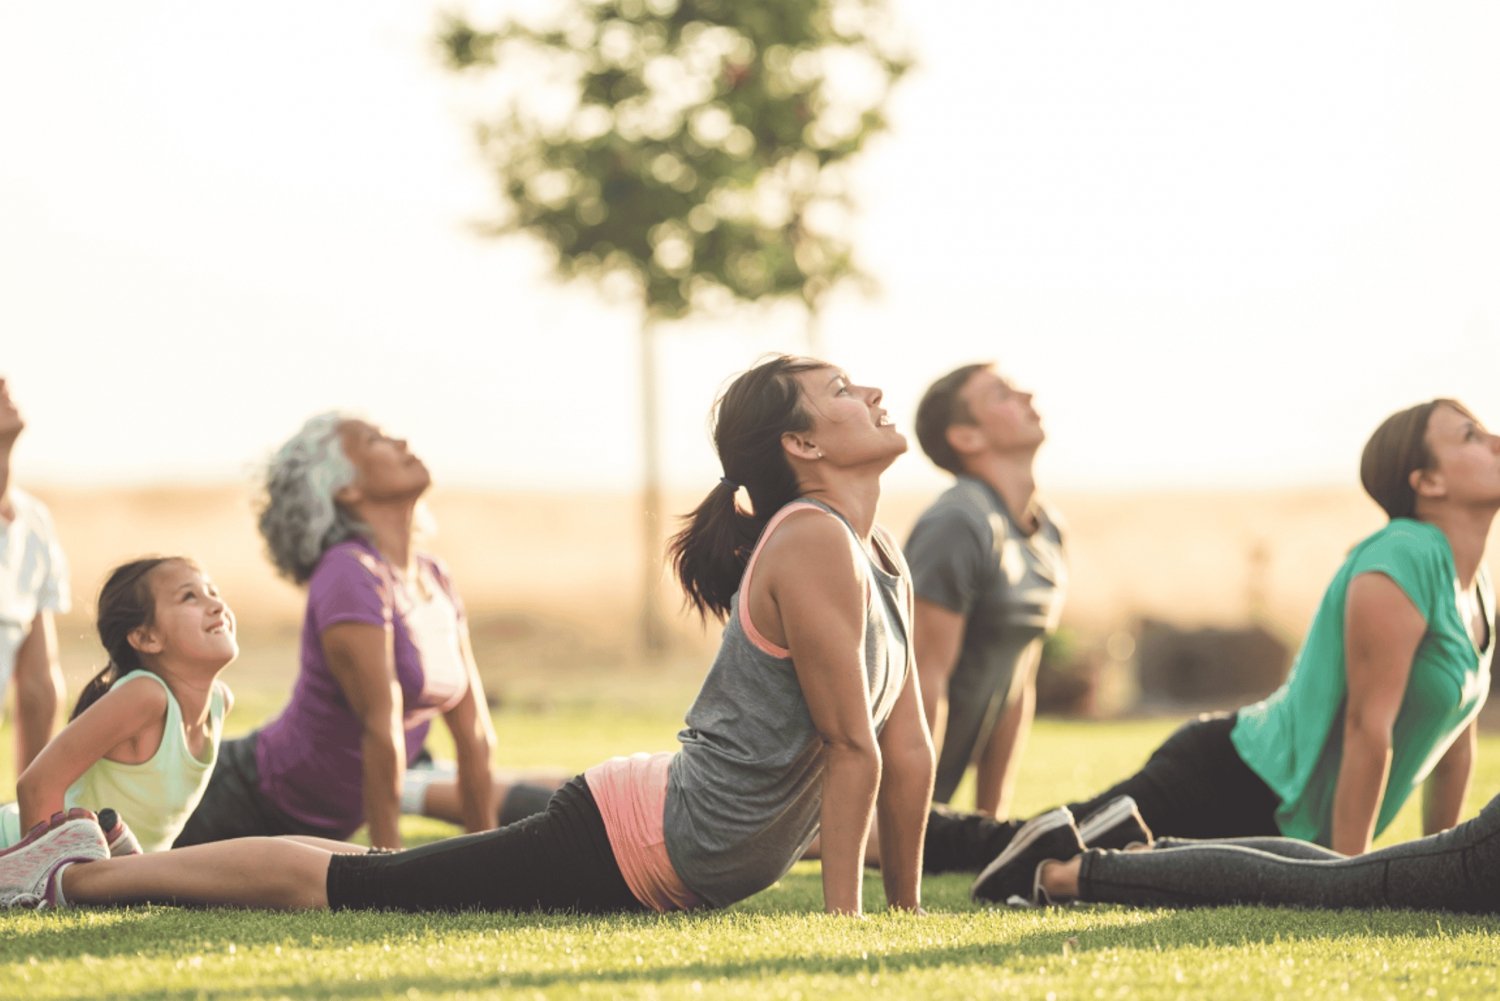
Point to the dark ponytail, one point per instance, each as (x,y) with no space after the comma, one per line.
(710,553)
(126,603)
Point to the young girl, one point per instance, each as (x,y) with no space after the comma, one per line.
(145,733)
(809,718)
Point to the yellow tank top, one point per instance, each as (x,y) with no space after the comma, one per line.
(157,796)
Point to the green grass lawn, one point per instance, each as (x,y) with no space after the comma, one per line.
(776,945)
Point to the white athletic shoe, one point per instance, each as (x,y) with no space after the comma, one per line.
(29,869)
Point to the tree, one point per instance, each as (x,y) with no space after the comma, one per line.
(692,153)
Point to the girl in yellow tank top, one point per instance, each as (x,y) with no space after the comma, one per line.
(145,733)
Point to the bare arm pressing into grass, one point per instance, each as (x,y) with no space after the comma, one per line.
(1382,630)
(905,791)
(938,634)
(810,576)
(1448,785)
(906,747)
(39,689)
(474,745)
(360,658)
(474,793)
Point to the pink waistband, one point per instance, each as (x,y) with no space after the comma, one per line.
(631,794)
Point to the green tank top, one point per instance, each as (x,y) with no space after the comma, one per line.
(157,796)
(1293,739)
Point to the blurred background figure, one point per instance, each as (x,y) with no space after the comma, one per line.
(385,650)
(988,570)
(33,586)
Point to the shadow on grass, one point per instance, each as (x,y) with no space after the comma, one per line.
(164,931)
(1221,927)
(993,938)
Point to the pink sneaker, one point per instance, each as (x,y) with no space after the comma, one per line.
(29,869)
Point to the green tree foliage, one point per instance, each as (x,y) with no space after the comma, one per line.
(692,151)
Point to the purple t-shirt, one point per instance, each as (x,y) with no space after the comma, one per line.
(309,757)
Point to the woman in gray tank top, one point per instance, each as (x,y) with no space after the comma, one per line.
(809,719)
(816,636)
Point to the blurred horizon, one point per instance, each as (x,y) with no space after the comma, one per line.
(1209,557)
(550,581)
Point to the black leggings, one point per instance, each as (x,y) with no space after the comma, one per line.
(1458,870)
(556,860)
(1193,786)
(233,807)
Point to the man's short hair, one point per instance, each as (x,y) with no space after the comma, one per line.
(942,407)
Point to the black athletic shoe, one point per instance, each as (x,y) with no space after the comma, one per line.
(964,842)
(1012,876)
(1117,824)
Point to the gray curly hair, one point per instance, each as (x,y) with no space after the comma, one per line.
(299,518)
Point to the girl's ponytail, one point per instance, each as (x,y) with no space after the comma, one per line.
(95,689)
(710,553)
(125,605)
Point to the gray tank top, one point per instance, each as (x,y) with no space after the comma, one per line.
(744,793)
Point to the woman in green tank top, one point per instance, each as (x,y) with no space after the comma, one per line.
(1410,620)
(1382,696)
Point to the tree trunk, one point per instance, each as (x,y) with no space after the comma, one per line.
(813,332)
(653,622)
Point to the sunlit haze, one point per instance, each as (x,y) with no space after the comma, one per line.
(1219,242)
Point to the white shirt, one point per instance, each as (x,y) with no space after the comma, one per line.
(33,576)
(432,623)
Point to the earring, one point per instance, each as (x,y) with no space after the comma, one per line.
(820,455)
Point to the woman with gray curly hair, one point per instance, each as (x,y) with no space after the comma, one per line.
(385,650)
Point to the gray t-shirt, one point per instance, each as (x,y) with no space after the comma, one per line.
(745,792)
(968,555)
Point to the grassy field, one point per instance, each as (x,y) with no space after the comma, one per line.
(775,945)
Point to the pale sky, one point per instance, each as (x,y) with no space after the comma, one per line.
(1219,243)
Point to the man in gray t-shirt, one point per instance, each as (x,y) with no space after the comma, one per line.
(987,567)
